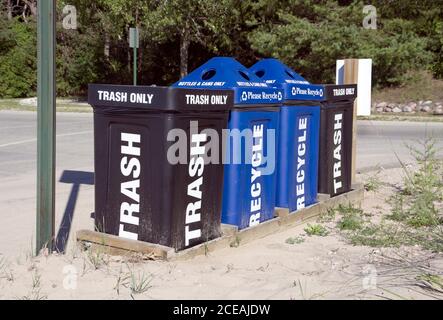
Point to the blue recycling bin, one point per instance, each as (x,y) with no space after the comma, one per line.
(249,192)
(299,128)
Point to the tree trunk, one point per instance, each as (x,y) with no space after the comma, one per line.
(9,9)
(107,45)
(129,60)
(32,4)
(184,51)
(140,62)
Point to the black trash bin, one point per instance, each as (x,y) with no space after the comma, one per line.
(158,177)
(336,138)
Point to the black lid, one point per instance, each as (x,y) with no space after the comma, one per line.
(340,92)
(160,98)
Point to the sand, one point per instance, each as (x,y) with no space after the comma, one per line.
(269,268)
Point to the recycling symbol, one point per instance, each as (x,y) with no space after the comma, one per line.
(244,96)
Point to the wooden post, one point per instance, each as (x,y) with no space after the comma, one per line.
(351,77)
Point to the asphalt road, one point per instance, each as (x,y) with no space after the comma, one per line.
(379,144)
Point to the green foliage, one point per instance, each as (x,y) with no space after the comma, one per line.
(416,203)
(312,39)
(79,61)
(431,281)
(373,183)
(316,230)
(380,235)
(308,35)
(236,242)
(327,216)
(295,240)
(18,50)
(415,217)
(139,283)
(352,218)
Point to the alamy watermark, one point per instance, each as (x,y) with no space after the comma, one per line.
(370,277)
(370,20)
(255,146)
(70,17)
(70,277)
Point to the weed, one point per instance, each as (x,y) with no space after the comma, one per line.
(415,205)
(96,258)
(429,238)
(140,282)
(379,235)
(303,292)
(352,218)
(3,264)
(316,230)
(35,293)
(295,240)
(398,212)
(236,243)
(327,216)
(5,271)
(414,208)
(206,249)
(36,280)
(431,282)
(120,280)
(373,183)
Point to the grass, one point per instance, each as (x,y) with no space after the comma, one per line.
(303,291)
(351,220)
(327,216)
(3,264)
(137,283)
(295,240)
(416,203)
(316,230)
(414,218)
(62,106)
(421,117)
(373,183)
(96,258)
(35,292)
(431,282)
(422,86)
(140,283)
(379,236)
(36,280)
(236,243)
(5,271)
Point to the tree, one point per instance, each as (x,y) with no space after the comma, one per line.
(198,21)
(18,51)
(9,9)
(310,37)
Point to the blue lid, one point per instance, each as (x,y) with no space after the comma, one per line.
(227,73)
(277,74)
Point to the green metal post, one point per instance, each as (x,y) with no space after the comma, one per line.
(135,66)
(46,125)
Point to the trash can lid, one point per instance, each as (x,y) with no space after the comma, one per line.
(228,73)
(275,73)
(159,99)
(296,88)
